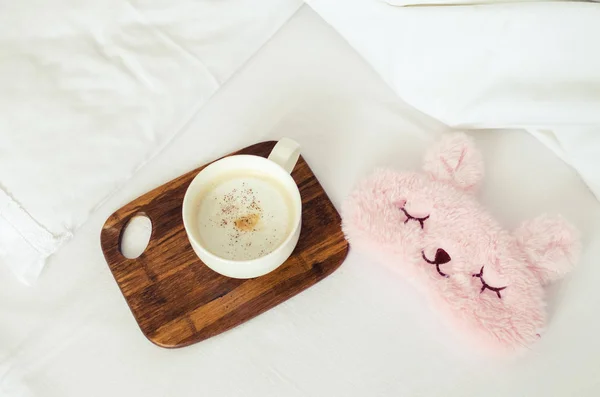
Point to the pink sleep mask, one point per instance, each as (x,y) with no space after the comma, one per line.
(429,227)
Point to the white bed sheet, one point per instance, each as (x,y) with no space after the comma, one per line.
(359,332)
(90,91)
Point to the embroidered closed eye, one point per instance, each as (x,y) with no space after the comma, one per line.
(409,217)
(486,285)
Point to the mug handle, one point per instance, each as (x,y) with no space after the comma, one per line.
(285,153)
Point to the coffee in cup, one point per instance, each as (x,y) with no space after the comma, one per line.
(242,214)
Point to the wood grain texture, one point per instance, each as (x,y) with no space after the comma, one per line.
(177,300)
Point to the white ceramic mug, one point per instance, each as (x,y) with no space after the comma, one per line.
(278,166)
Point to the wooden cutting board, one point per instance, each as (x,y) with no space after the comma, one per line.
(177,300)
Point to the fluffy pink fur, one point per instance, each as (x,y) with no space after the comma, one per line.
(380,217)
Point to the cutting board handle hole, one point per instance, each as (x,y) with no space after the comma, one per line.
(136,236)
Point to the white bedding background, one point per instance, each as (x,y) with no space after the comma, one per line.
(90,91)
(532,65)
(361,331)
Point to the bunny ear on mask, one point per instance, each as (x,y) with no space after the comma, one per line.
(455,160)
(551,245)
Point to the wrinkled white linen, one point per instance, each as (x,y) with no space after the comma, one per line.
(533,65)
(361,332)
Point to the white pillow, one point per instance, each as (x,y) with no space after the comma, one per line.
(520,65)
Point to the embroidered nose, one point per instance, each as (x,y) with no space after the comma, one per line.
(441,257)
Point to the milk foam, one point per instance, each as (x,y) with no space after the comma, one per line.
(244,216)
